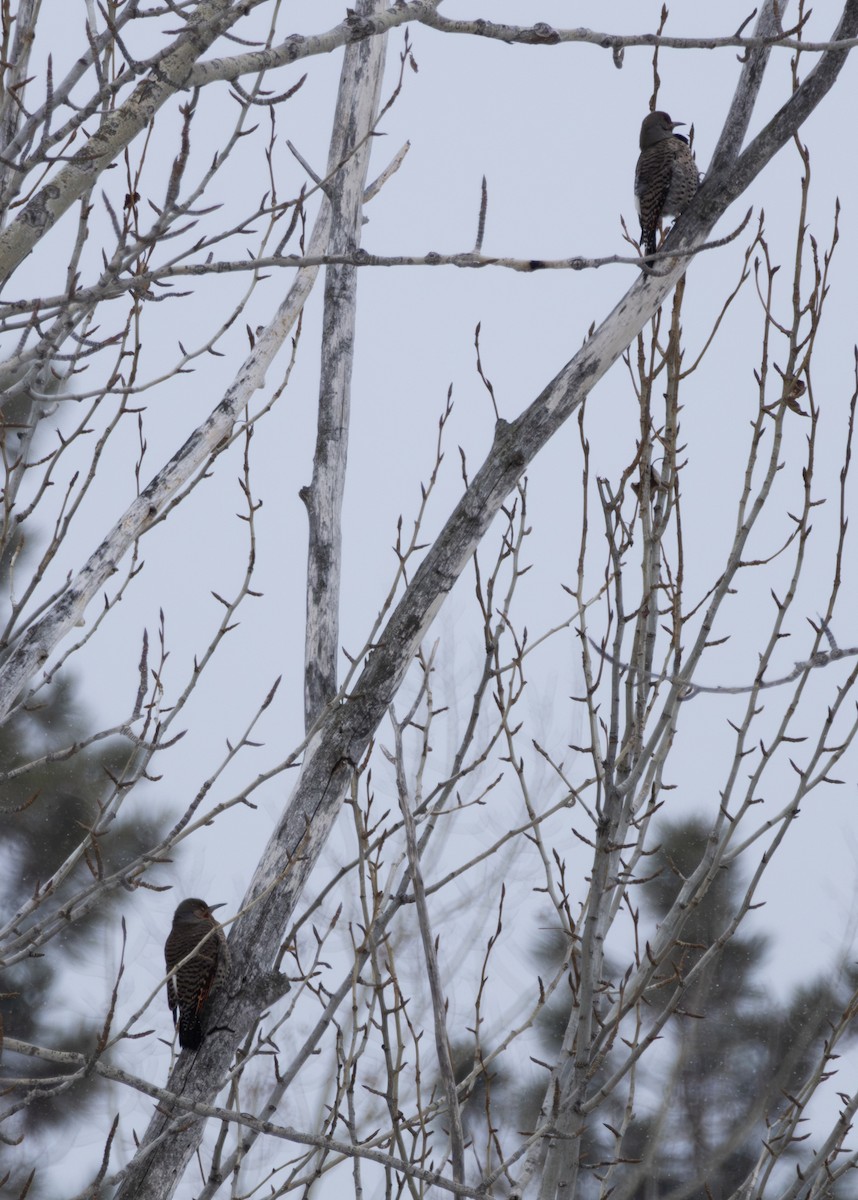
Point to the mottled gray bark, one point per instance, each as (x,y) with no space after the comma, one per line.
(116,130)
(552,1168)
(344,731)
(357,107)
(172,1139)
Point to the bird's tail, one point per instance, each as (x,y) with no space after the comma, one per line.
(190,1030)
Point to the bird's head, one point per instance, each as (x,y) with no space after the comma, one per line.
(656,127)
(194,910)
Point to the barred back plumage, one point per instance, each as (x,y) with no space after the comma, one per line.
(188,990)
(666,175)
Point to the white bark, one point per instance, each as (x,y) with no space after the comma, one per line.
(357,108)
(344,728)
(159,1165)
(116,130)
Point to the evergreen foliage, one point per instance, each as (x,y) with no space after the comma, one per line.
(729,1055)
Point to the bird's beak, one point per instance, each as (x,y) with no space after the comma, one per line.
(673,124)
(212,907)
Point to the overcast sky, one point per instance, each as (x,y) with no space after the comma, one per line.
(555,132)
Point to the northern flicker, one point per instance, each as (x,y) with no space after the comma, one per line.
(189,989)
(666,175)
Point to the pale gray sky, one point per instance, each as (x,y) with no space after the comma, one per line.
(554,130)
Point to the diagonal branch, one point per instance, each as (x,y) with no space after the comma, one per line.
(116,130)
(345,729)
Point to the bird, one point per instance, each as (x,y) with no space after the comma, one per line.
(189,988)
(666,175)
